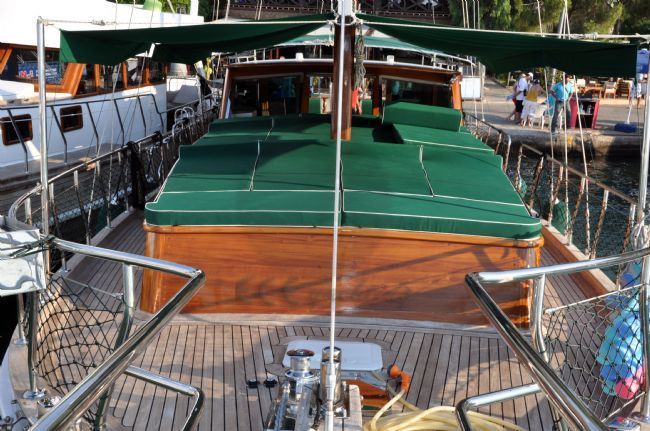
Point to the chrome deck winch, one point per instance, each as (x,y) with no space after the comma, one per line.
(301,401)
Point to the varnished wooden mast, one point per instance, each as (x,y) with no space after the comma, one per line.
(348,81)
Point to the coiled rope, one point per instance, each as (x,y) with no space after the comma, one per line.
(440,418)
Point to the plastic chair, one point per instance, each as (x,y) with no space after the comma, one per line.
(610,88)
(538,115)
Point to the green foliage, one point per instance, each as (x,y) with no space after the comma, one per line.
(205,6)
(600,16)
(585,16)
(636,18)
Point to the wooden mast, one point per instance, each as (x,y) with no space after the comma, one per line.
(348,80)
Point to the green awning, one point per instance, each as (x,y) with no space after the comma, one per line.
(184,44)
(369,42)
(502,51)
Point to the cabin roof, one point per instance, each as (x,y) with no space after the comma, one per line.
(279,171)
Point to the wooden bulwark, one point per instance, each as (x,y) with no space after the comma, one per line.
(418,276)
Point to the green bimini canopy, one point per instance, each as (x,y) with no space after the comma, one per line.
(184,44)
(369,42)
(502,51)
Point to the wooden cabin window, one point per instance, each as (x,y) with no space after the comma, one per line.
(416,92)
(24,125)
(320,87)
(156,72)
(278,95)
(5,53)
(111,76)
(134,71)
(71,118)
(88,81)
(22,66)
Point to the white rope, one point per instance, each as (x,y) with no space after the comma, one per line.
(566,158)
(329,418)
(584,165)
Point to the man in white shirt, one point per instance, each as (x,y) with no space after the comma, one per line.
(520,95)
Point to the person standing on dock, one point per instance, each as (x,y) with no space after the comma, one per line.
(561,93)
(520,93)
(531,101)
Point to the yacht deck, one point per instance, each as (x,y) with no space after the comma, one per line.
(218,353)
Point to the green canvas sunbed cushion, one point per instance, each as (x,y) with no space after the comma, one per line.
(314,105)
(237,208)
(383,168)
(239,124)
(295,165)
(437,214)
(287,180)
(414,114)
(210,168)
(467,175)
(417,135)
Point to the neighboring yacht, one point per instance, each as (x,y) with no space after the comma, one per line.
(92,108)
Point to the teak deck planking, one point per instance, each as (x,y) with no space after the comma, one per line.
(218,354)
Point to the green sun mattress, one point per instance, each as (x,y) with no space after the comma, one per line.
(437,214)
(416,135)
(242,208)
(391,168)
(468,175)
(295,165)
(220,167)
(386,185)
(414,114)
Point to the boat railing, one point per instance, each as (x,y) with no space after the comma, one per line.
(588,358)
(80,339)
(93,195)
(595,218)
(14,117)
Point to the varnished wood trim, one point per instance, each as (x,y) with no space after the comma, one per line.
(305,92)
(456,97)
(590,282)
(281,273)
(69,82)
(346,81)
(347,231)
(5,53)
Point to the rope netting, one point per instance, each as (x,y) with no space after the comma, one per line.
(77,329)
(595,346)
(595,218)
(78,324)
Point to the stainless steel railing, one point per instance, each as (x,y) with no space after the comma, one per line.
(86,196)
(533,355)
(100,380)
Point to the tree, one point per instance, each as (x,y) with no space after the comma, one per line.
(635,17)
(589,16)
(205,6)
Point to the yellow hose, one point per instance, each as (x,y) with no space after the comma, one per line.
(439,418)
